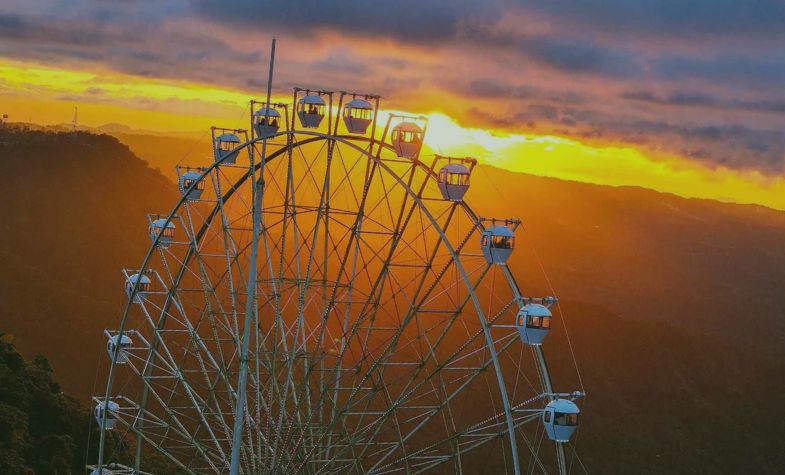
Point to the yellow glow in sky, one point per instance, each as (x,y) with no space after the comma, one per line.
(46,95)
(610,165)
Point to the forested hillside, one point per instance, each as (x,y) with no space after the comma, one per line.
(672,305)
(73,216)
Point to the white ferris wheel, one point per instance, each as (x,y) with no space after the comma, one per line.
(322,300)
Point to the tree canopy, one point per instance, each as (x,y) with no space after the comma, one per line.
(42,430)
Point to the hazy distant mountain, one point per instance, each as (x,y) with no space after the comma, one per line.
(701,265)
(73,216)
(111,128)
(115,128)
(673,305)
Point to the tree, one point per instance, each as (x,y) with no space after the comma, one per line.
(42,430)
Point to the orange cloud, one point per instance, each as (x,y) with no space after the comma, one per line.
(47,95)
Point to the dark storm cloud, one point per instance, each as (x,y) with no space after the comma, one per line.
(745,70)
(430,20)
(12,26)
(699,99)
(342,61)
(89,32)
(497,89)
(678,98)
(407,20)
(21,28)
(579,57)
(691,18)
(437,22)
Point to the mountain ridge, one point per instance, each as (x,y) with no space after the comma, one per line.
(661,336)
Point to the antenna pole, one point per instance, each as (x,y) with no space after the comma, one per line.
(251,309)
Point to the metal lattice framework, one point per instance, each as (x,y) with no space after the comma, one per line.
(321,308)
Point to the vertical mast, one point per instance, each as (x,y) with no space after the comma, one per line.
(251,309)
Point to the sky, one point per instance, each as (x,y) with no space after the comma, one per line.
(683,97)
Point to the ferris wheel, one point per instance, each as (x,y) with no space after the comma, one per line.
(322,299)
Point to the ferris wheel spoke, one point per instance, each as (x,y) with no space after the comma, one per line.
(208,294)
(497,424)
(299,325)
(346,178)
(327,240)
(309,165)
(384,266)
(371,322)
(352,238)
(230,253)
(400,226)
(321,212)
(420,286)
(150,363)
(156,445)
(332,299)
(198,404)
(272,356)
(194,349)
(141,415)
(496,364)
(446,400)
(194,339)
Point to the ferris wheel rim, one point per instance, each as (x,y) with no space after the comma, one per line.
(367,152)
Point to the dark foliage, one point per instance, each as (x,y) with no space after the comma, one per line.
(42,430)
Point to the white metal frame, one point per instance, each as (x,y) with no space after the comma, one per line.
(240,385)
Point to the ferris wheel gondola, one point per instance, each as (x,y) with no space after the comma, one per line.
(311,110)
(225,148)
(266,121)
(358,115)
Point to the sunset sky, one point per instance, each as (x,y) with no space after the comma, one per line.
(680,96)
